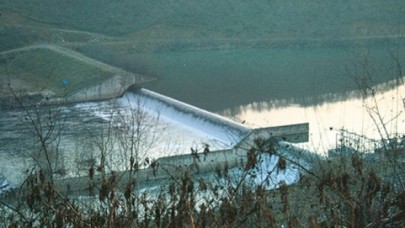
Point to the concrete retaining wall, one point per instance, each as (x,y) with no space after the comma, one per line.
(165,168)
(108,89)
(174,167)
(203,162)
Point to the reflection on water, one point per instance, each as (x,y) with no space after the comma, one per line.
(277,86)
(349,112)
(219,80)
(274,86)
(216,80)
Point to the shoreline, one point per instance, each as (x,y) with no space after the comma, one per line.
(222,44)
(118,83)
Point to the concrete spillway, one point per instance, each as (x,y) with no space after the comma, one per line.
(167,139)
(196,119)
(180,126)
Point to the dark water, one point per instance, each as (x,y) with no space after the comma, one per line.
(223,80)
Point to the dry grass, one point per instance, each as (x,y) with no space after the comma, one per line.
(347,191)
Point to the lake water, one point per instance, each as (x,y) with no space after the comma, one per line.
(351,117)
(221,80)
(270,87)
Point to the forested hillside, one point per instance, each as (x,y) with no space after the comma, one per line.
(211,18)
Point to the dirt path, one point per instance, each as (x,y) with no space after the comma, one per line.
(68,53)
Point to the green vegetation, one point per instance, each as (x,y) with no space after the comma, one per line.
(46,69)
(120,30)
(211,18)
(187,21)
(19,36)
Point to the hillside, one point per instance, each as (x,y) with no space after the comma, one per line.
(120,32)
(52,71)
(186,19)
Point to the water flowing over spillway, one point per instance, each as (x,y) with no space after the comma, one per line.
(191,117)
(165,126)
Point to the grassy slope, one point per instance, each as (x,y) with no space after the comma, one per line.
(46,69)
(17,31)
(209,22)
(115,26)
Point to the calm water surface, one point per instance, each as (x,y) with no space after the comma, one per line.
(269,87)
(221,80)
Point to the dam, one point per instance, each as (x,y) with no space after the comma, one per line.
(99,115)
(171,131)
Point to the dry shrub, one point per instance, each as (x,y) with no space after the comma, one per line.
(348,191)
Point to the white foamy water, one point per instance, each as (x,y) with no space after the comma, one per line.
(188,117)
(142,123)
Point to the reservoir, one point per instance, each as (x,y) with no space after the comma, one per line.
(256,87)
(277,86)
(218,80)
